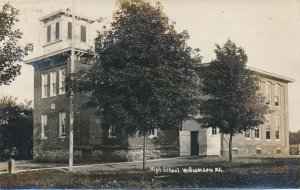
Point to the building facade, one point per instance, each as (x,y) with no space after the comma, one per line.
(54,111)
(268,139)
(52,115)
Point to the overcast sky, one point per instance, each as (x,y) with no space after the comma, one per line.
(269,31)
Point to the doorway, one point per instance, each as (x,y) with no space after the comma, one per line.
(194,143)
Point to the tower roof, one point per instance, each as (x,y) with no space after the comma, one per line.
(66,13)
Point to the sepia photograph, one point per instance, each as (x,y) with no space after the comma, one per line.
(149,94)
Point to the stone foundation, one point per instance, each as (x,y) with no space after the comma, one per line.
(103,155)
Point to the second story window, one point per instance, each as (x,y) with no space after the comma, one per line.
(83,33)
(277,95)
(53,83)
(44,85)
(69,30)
(49,33)
(61,78)
(268,93)
(57,31)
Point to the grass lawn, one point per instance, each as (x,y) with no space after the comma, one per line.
(254,173)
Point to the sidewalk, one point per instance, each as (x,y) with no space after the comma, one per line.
(30,165)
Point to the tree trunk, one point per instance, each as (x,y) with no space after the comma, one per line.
(230,147)
(144,152)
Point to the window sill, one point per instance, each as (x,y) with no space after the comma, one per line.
(62,137)
(248,139)
(152,137)
(269,139)
(112,137)
(52,95)
(257,139)
(277,139)
(44,138)
(44,97)
(50,43)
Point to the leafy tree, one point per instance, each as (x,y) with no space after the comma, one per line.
(16,123)
(10,51)
(144,77)
(232,102)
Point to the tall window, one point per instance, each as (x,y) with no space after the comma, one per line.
(62,124)
(214,131)
(112,132)
(70,30)
(44,85)
(277,94)
(248,134)
(259,87)
(57,30)
(44,124)
(49,33)
(83,33)
(268,93)
(53,83)
(62,77)
(257,132)
(268,127)
(277,128)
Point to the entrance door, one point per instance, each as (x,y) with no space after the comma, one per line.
(185,143)
(194,143)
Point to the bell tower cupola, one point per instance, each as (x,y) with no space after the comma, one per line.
(58,31)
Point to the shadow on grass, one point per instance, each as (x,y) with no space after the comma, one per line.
(259,173)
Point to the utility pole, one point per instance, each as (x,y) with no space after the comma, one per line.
(72,67)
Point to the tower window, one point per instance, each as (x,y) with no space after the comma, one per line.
(57,31)
(49,33)
(69,30)
(83,33)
